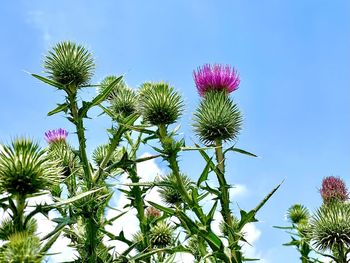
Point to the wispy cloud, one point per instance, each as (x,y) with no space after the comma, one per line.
(39,20)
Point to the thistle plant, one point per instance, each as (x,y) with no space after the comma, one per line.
(326,232)
(26,171)
(82,186)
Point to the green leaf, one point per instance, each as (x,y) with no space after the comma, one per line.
(250,216)
(49,81)
(75,198)
(110,221)
(208,159)
(59,108)
(204,175)
(211,190)
(162,208)
(211,213)
(99,98)
(284,227)
(233,149)
(49,244)
(61,223)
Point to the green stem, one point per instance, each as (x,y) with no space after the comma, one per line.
(80,130)
(224,189)
(113,145)
(166,143)
(138,201)
(92,240)
(90,224)
(342,257)
(172,159)
(19,218)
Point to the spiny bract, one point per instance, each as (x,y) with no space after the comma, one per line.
(217,118)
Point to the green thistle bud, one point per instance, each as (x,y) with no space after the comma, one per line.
(107,81)
(298,213)
(304,229)
(162,235)
(101,152)
(8,228)
(122,98)
(26,169)
(62,153)
(69,64)
(159,103)
(217,118)
(194,246)
(330,226)
(138,238)
(169,189)
(224,227)
(22,247)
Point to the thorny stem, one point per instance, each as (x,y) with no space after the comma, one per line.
(138,201)
(78,121)
(166,142)
(224,189)
(19,218)
(91,223)
(112,146)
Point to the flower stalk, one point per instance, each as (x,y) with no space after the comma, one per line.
(224,189)
(80,130)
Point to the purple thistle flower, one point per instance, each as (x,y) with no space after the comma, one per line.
(333,189)
(216,77)
(57,135)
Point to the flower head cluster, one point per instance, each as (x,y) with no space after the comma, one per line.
(216,77)
(57,135)
(333,189)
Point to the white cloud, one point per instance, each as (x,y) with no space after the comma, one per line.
(60,249)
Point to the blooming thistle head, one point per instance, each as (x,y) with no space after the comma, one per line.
(216,78)
(58,135)
(152,212)
(333,189)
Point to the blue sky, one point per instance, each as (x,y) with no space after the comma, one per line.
(293,58)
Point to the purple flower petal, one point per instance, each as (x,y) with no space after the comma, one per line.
(333,189)
(216,77)
(57,135)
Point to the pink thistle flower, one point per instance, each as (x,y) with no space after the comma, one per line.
(216,77)
(57,135)
(152,212)
(333,189)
